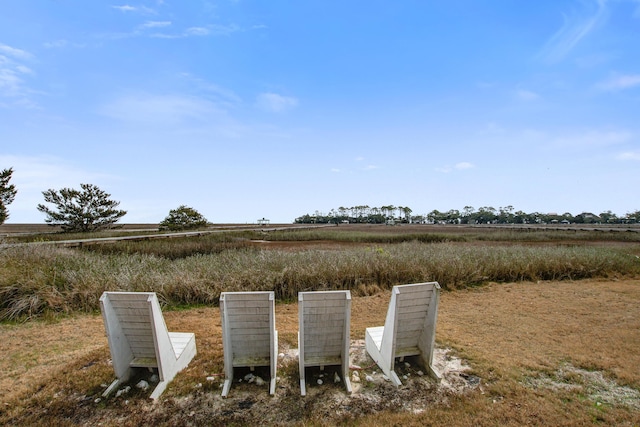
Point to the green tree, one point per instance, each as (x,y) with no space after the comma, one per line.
(83,210)
(183,218)
(7,193)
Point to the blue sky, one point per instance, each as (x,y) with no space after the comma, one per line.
(249,109)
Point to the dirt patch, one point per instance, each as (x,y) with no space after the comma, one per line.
(591,384)
(250,404)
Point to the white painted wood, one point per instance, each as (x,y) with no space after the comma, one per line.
(138,338)
(249,336)
(409,329)
(324,332)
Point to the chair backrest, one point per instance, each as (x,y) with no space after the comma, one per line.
(135,328)
(411,319)
(248,327)
(324,321)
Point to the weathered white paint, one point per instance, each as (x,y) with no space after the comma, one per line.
(409,329)
(249,336)
(138,338)
(324,332)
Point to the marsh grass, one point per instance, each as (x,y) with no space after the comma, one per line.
(44,280)
(176,247)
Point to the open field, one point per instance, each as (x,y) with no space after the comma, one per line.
(539,351)
(545,353)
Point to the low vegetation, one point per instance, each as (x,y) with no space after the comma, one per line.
(37,280)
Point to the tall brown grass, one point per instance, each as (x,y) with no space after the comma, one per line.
(38,279)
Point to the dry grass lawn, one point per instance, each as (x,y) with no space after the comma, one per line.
(550,353)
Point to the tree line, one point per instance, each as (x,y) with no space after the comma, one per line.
(468,215)
(89,209)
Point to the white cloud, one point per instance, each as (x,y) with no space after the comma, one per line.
(575,28)
(620,82)
(197,31)
(275,103)
(225,30)
(56,44)
(458,166)
(594,139)
(125,8)
(463,165)
(13,86)
(630,155)
(155,24)
(223,97)
(492,128)
(14,52)
(526,95)
(160,109)
(137,9)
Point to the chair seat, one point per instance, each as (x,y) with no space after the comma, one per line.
(323,361)
(180,341)
(144,362)
(375,333)
(240,362)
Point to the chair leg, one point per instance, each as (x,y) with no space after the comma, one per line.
(303,387)
(111,387)
(226,387)
(347,383)
(162,385)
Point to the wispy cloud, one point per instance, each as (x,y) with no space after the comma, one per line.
(457,167)
(14,52)
(630,155)
(526,95)
(575,28)
(135,9)
(160,109)
(62,43)
(620,82)
(463,165)
(161,30)
(220,95)
(197,31)
(275,103)
(14,90)
(155,24)
(593,138)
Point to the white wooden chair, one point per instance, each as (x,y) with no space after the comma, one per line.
(409,329)
(249,335)
(323,336)
(138,338)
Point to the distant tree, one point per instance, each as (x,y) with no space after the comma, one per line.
(183,218)
(7,193)
(83,210)
(406,211)
(608,217)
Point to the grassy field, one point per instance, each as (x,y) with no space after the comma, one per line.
(547,321)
